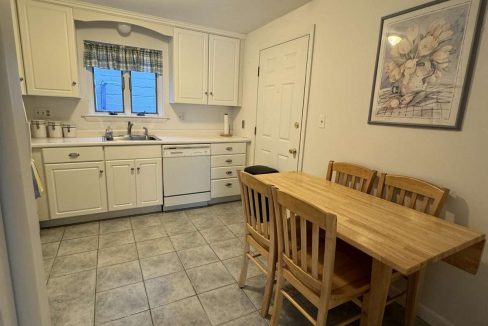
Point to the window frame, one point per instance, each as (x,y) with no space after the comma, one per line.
(127,99)
(156,96)
(95,93)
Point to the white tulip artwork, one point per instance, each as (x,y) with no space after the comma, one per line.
(424,63)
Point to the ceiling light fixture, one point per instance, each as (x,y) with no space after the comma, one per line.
(124,29)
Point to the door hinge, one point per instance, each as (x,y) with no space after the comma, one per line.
(254,130)
(259,68)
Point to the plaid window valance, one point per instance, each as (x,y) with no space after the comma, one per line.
(121,57)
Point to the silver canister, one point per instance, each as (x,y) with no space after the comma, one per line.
(38,129)
(69,130)
(54,129)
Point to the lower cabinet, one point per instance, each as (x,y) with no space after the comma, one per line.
(76,189)
(134,183)
(226,160)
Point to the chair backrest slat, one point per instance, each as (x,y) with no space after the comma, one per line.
(422,195)
(351,175)
(303,262)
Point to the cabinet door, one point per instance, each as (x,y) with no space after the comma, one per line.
(190,67)
(49,49)
(223,70)
(121,184)
(149,181)
(76,189)
(18,47)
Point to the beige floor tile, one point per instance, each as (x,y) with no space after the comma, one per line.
(74,246)
(186,312)
(208,277)
(253,319)
(169,288)
(238,229)
(206,222)
(178,227)
(120,302)
(116,238)
(160,265)
(139,319)
(115,225)
(226,304)
(149,233)
(144,221)
(198,256)
(48,265)
(116,255)
(216,234)
(74,263)
(81,230)
(187,240)
(50,250)
(169,217)
(154,247)
(118,275)
(234,266)
(52,234)
(228,248)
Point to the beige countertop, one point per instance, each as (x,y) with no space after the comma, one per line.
(164,140)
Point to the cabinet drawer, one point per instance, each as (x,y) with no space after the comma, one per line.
(132,152)
(225,187)
(225,172)
(72,154)
(228,160)
(228,148)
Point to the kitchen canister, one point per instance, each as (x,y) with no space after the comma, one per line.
(38,129)
(54,129)
(69,130)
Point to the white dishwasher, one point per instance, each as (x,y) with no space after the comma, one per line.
(186,175)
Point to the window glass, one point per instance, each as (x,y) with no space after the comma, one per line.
(108,90)
(143,92)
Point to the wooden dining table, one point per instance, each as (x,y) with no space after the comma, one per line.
(396,237)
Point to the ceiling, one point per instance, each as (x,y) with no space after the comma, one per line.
(241,16)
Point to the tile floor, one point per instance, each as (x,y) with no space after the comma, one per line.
(177,268)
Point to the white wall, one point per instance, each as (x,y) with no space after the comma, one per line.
(342,73)
(196,117)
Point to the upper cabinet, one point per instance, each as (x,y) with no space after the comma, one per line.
(49,49)
(205,68)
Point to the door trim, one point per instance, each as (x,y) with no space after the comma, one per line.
(306,93)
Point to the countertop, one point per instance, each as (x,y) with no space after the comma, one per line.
(164,140)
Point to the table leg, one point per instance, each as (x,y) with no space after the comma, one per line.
(374,307)
(414,287)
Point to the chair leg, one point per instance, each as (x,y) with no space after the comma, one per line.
(414,286)
(245,264)
(268,289)
(278,300)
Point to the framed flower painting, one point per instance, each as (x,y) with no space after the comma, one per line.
(424,63)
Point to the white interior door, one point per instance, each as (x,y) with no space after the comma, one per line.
(280,104)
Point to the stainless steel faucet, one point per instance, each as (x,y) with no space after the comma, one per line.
(129,128)
(146,132)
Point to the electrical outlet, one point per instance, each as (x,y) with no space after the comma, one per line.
(322,121)
(42,112)
(243,124)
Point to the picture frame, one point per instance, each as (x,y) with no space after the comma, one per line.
(424,63)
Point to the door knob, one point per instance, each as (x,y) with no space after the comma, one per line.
(293,151)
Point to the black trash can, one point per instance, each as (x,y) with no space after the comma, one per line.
(260,169)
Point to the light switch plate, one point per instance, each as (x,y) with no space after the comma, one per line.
(322,121)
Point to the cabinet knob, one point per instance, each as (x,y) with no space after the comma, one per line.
(73,83)
(211,93)
(206,93)
(21,79)
(138,170)
(101,172)
(228,161)
(132,170)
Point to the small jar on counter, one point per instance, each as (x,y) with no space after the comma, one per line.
(38,128)
(54,129)
(69,130)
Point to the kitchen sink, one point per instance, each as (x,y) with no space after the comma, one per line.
(131,137)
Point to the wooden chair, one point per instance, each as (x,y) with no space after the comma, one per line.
(422,196)
(326,275)
(351,175)
(260,228)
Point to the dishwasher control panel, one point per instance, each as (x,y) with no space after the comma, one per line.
(186,150)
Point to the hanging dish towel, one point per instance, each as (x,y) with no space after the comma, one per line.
(38,188)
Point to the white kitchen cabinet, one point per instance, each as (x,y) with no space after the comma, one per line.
(76,189)
(226,160)
(223,70)
(205,68)
(190,67)
(48,48)
(121,184)
(149,182)
(18,47)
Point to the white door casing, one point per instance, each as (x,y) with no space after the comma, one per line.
(281,96)
(149,182)
(76,189)
(223,70)
(121,184)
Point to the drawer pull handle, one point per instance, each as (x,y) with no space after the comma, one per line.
(228,184)
(228,161)
(228,172)
(228,148)
(74,155)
